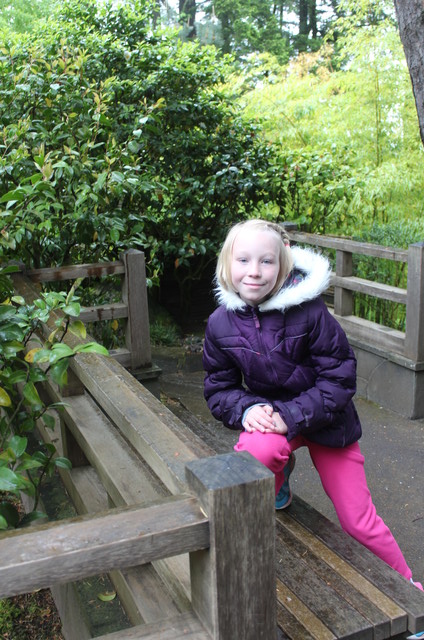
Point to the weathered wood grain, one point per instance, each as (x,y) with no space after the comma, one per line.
(385,579)
(185,626)
(72,272)
(233,583)
(58,553)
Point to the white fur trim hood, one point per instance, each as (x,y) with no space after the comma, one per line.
(316,270)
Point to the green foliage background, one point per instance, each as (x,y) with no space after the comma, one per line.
(118,133)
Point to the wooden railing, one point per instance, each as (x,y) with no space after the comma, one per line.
(133,307)
(147,492)
(408,344)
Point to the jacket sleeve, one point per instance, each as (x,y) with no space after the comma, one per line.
(334,365)
(224,392)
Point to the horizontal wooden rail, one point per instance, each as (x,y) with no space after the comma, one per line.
(375,289)
(72,272)
(408,344)
(86,546)
(352,246)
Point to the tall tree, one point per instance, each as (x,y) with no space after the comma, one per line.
(410,15)
(20,15)
(187,13)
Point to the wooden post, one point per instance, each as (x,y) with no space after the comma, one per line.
(414,334)
(343,299)
(233,583)
(134,294)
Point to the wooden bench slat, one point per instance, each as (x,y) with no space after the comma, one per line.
(325,604)
(144,428)
(116,463)
(187,625)
(385,615)
(404,594)
(296,619)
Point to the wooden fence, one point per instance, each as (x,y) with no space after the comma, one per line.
(390,362)
(133,307)
(148,490)
(153,494)
(409,343)
(397,356)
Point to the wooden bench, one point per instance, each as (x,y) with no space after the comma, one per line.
(131,453)
(328,585)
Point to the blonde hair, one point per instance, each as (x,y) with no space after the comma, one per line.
(223,267)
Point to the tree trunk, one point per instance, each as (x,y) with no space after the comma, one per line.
(303,18)
(410,15)
(187,12)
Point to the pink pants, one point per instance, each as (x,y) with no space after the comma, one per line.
(343,479)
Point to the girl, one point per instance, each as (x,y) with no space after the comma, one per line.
(279,368)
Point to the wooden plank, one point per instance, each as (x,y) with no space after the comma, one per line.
(125,477)
(186,625)
(376,289)
(296,619)
(414,338)
(169,576)
(102,312)
(72,272)
(144,426)
(233,583)
(385,616)
(134,295)
(317,595)
(343,298)
(92,545)
(388,581)
(386,339)
(352,246)
(89,496)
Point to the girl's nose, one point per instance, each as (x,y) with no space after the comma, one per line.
(254,268)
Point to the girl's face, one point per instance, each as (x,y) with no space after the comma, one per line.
(255,264)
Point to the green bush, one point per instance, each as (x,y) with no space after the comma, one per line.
(118,135)
(25,362)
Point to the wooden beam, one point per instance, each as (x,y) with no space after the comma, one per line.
(233,583)
(72,272)
(86,546)
(352,246)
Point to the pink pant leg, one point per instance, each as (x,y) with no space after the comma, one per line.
(271,449)
(343,478)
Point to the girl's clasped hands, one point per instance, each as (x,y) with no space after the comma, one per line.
(263,418)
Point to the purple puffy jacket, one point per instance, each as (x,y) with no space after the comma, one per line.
(289,352)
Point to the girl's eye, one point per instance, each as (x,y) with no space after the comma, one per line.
(267,261)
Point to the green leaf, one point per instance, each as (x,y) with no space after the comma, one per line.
(31,517)
(77,328)
(91,347)
(63,463)
(18,445)
(6,311)
(107,596)
(5,400)
(49,420)
(9,481)
(72,309)
(59,372)
(60,350)
(31,396)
